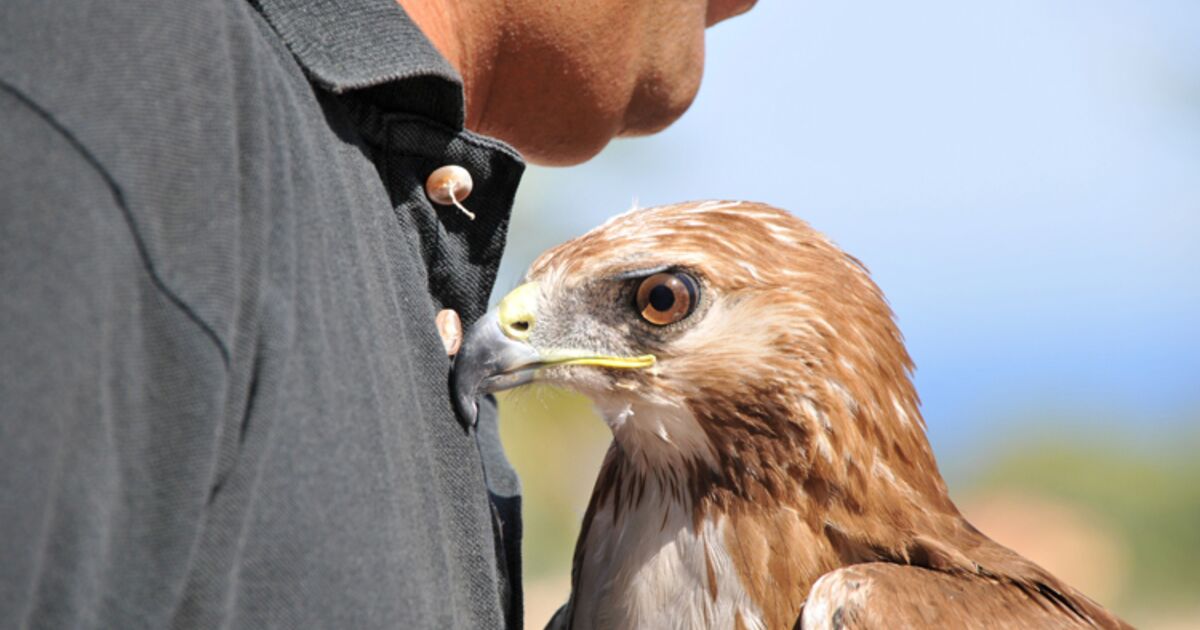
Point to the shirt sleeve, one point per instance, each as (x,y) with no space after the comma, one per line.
(109,396)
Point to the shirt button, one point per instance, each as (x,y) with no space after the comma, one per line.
(449,186)
(449,328)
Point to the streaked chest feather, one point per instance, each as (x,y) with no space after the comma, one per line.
(650,567)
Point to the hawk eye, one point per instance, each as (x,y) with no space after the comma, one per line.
(665,298)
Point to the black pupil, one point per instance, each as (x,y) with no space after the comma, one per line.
(662,297)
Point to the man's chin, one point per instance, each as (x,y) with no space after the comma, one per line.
(561,151)
(721,10)
(574,133)
(657,103)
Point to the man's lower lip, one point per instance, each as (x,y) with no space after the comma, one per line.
(727,9)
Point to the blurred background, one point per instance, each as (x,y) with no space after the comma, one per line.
(1023,180)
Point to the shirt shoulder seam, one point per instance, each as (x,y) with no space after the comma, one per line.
(119,199)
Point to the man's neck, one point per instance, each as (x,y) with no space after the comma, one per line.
(467,34)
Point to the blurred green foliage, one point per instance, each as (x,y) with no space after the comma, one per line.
(556,442)
(1148,491)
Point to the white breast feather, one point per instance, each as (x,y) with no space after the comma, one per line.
(644,572)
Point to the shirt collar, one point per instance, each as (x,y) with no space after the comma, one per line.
(371,47)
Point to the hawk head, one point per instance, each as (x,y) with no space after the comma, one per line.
(725,336)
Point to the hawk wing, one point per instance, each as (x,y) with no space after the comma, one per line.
(885,595)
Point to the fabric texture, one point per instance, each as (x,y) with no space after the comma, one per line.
(223,399)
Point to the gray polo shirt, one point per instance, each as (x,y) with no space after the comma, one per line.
(223,399)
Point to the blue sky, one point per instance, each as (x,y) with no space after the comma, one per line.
(1023,179)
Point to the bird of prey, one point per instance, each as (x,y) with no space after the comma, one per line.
(769,467)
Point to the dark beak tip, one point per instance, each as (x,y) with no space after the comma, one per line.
(464,393)
(481,364)
(467,408)
(469,370)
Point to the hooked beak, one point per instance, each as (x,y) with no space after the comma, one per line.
(496,355)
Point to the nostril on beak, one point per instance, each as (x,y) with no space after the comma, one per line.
(516,312)
(518,329)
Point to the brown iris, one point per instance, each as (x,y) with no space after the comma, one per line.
(665,298)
